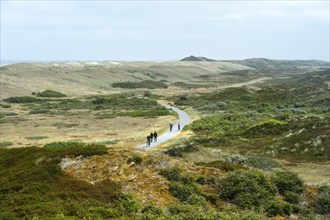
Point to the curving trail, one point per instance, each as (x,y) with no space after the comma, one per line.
(183,118)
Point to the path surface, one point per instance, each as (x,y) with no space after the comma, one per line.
(183,118)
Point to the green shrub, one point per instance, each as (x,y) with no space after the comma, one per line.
(76,149)
(149,84)
(5,114)
(286,181)
(270,127)
(247,189)
(291,197)
(23,99)
(322,200)
(178,151)
(181,191)
(172,174)
(39,111)
(50,94)
(274,208)
(5,105)
(37,137)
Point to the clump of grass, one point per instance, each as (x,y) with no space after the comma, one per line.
(270,127)
(149,84)
(14,120)
(5,105)
(5,143)
(23,99)
(50,94)
(144,113)
(76,148)
(64,125)
(179,151)
(39,111)
(5,114)
(37,137)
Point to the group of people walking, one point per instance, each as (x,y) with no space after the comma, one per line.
(178,123)
(152,137)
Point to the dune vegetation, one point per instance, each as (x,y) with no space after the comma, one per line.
(258,126)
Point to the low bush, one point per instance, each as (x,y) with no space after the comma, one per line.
(322,200)
(39,111)
(171,174)
(178,151)
(286,181)
(5,105)
(148,84)
(50,94)
(23,99)
(75,149)
(247,189)
(6,114)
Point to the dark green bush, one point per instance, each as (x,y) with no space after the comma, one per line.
(23,99)
(274,208)
(248,189)
(178,151)
(322,200)
(149,84)
(291,197)
(287,181)
(75,149)
(181,191)
(5,105)
(50,94)
(172,174)
(39,111)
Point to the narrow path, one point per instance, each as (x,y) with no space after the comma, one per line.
(184,120)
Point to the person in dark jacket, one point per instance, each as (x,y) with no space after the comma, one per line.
(155,136)
(148,141)
(171,126)
(151,136)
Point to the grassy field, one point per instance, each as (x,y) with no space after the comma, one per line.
(257,147)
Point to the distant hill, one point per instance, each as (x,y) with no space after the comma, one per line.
(193,58)
(263,63)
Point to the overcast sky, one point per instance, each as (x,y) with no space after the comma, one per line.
(164,30)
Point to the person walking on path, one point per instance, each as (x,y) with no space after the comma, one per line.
(151,136)
(148,141)
(155,136)
(179,125)
(171,126)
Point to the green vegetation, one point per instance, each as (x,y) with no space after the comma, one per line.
(5,143)
(32,185)
(5,114)
(64,125)
(148,84)
(37,137)
(5,105)
(23,99)
(287,121)
(50,94)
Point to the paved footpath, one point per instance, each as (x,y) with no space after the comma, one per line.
(184,119)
